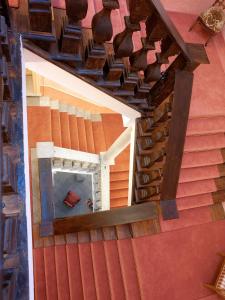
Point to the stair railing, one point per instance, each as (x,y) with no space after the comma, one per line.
(128,75)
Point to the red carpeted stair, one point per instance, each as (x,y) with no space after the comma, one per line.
(202,171)
(172,266)
(83,134)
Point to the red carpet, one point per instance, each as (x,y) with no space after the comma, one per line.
(169,266)
(174,265)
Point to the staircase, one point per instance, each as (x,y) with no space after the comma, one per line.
(69,127)
(96,270)
(110,264)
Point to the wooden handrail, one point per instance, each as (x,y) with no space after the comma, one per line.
(1,204)
(170,27)
(116,216)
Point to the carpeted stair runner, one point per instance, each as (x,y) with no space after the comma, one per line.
(131,269)
(84,134)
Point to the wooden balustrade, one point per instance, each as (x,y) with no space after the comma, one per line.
(127,75)
(70,43)
(10,204)
(165,133)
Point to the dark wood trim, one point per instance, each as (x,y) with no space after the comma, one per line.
(1,204)
(185,48)
(46,193)
(177,130)
(117,216)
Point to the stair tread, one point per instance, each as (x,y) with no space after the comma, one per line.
(99,138)
(112,127)
(56,127)
(196,188)
(39,274)
(121,167)
(100,271)
(128,269)
(87,272)
(74,132)
(204,142)
(74,274)
(188,217)
(65,130)
(119,202)
(62,272)
(194,201)
(207,125)
(50,272)
(198,173)
(82,134)
(202,158)
(89,136)
(39,125)
(118,185)
(114,270)
(118,193)
(123,175)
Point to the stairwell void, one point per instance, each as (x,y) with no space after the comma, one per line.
(76,146)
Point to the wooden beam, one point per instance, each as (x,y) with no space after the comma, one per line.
(112,217)
(46,191)
(175,147)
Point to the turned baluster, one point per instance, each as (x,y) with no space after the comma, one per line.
(102,31)
(138,59)
(139,10)
(122,43)
(40,14)
(168,48)
(156,31)
(71,37)
(101,23)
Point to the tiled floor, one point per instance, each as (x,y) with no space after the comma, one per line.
(81,184)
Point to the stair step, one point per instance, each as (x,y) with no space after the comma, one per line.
(122,167)
(39,125)
(50,272)
(39,274)
(194,201)
(82,134)
(121,193)
(73,132)
(114,270)
(100,271)
(65,130)
(120,202)
(56,127)
(204,142)
(74,274)
(199,173)
(87,272)
(188,217)
(196,188)
(210,125)
(117,176)
(98,136)
(118,185)
(201,159)
(62,272)
(128,269)
(112,126)
(89,136)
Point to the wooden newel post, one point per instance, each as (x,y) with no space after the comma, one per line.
(175,147)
